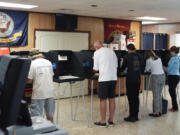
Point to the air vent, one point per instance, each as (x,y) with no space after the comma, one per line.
(94,5)
(131,10)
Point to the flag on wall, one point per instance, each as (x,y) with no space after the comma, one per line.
(13,28)
(115,27)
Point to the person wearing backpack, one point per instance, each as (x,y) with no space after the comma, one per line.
(157,81)
(173,76)
(134,64)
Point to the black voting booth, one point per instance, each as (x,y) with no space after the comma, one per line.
(28,87)
(164,55)
(120,55)
(62,66)
(13,75)
(71,67)
(83,63)
(24,54)
(14,109)
(78,64)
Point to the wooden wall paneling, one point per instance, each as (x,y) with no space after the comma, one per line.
(33,24)
(47,21)
(136,27)
(94,25)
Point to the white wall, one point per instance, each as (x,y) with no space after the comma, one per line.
(75,41)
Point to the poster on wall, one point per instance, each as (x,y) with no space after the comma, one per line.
(13,28)
(131,38)
(113,28)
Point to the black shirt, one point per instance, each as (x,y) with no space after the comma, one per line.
(135,65)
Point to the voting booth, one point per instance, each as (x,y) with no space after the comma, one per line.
(83,63)
(14,116)
(13,76)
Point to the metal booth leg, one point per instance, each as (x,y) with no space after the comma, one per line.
(58,104)
(148,84)
(72,116)
(92,85)
(119,94)
(77,103)
(143,93)
(125,96)
(144,90)
(84,102)
(177,93)
(81,93)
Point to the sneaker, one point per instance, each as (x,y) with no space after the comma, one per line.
(100,124)
(111,123)
(130,119)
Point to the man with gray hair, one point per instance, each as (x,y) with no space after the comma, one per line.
(105,62)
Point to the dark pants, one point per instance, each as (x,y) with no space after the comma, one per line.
(133,97)
(173,80)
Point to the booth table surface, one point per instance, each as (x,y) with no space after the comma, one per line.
(68,78)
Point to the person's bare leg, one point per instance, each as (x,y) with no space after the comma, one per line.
(103,105)
(112,107)
(50,119)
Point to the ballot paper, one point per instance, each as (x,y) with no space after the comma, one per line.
(62,58)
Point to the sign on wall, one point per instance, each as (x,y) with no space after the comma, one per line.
(13,28)
(115,27)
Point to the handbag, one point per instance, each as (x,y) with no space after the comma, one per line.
(164,106)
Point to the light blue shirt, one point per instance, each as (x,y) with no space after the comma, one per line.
(173,66)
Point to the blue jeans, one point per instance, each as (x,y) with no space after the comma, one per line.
(37,106)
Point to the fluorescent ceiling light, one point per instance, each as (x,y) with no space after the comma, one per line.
(149,22)
(151,18)
(16,5)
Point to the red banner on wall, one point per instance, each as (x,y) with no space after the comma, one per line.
(114,27)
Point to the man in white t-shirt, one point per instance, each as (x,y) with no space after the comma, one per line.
(105,62)
(41,76)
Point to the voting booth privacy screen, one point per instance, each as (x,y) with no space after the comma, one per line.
(13,75)
(78,64)
(61,61)
(83,63)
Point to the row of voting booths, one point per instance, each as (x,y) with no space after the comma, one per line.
(70,67)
